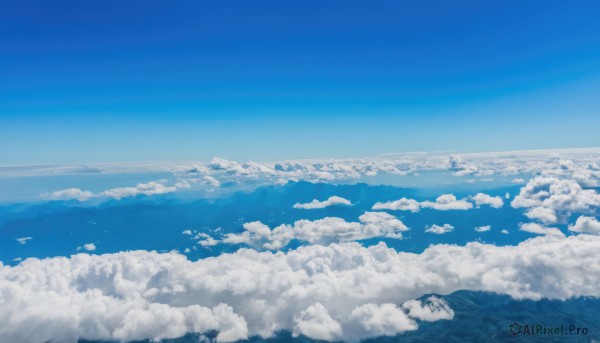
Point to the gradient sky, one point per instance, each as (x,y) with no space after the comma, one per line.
(114,80)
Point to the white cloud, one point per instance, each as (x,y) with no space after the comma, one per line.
(483,228)
(447,202)
(150,188)
(581,165)
(443,203)
(549,197)
(504,231)
(89,246)
(541,229)
(403,204)
(323,231)
(147,295)
(68,194)
(439,229)
(372,320)
(433,310)
(212,181)
(315,322)
(187,232)
(518,180)
(586,225)
(316,204)
(544,214)
(485,199)
(208,242)
(460,168)
(23,240)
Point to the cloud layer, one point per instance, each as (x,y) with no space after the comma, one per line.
(337,292)
(150,188)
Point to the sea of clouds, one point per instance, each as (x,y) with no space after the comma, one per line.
(330,289)
(336,292)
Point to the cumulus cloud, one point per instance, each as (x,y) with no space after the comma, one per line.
(439,229)
(403,204)
(541,229)
(460,168)
(483,228)
(342,291)
(316,322)
(432,310)
(326,230)
(372,320)
(447,202)
(68,194)
(585,224)
(549,197)
(544,214)
(443,203)
(316,204)
(89,246)
(485,199)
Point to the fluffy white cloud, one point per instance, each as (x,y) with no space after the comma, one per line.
(447,202)
(549,197)
(541,229)
(342,291)
(460,168)
(485,199)
(504,231)
(403,204)
(586,225)
(443,203)
(68,194)
(483,228)
(89,246)
(326,230)
(544,214)
(433,310)
(150,188)
(315,322)
(439,229)
(316,204)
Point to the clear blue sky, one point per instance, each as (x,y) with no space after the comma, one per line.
(115,80)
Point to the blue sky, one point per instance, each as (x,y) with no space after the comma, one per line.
(100,81)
